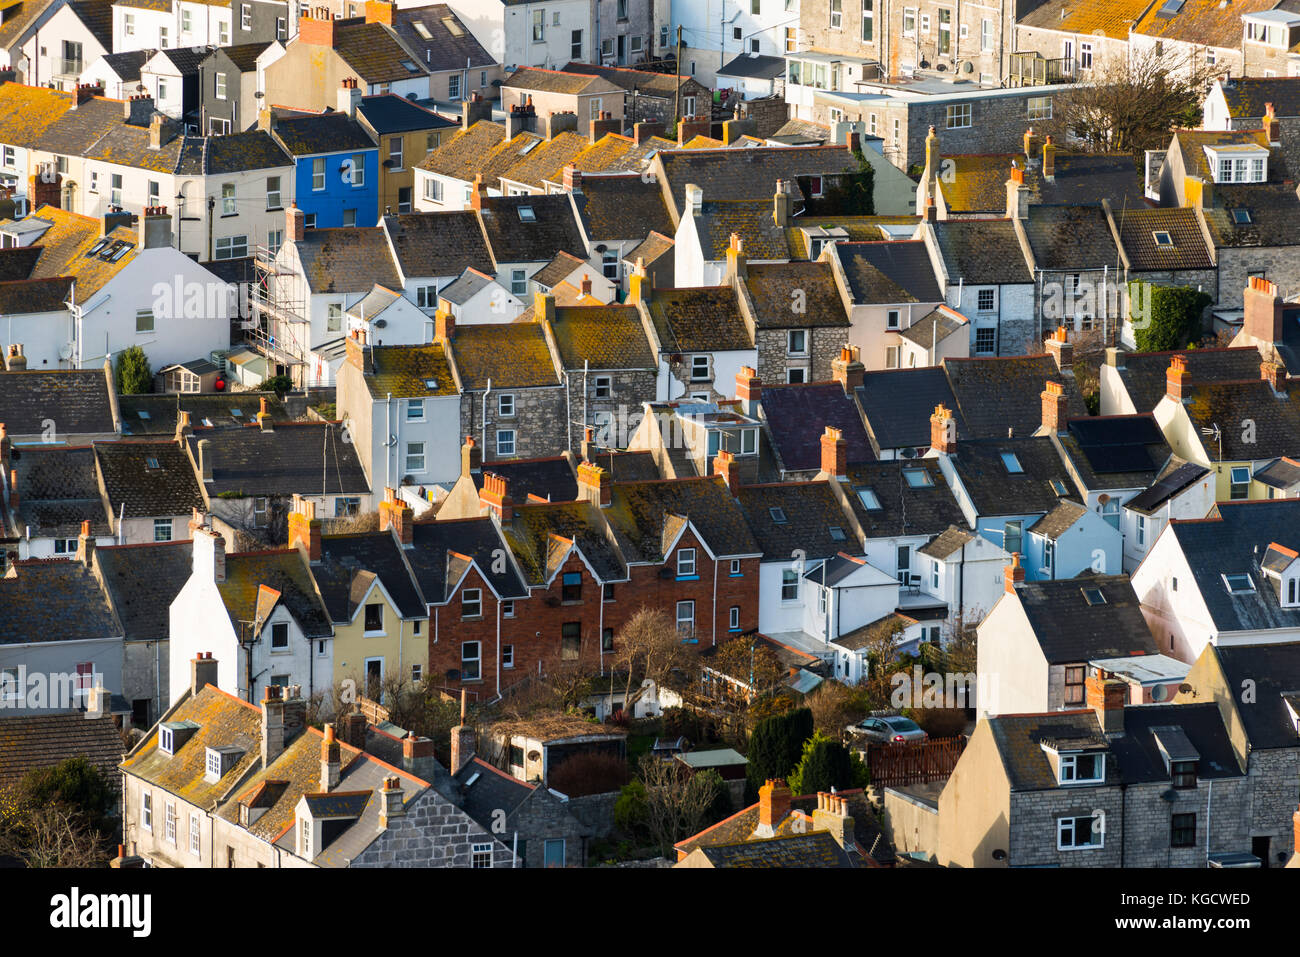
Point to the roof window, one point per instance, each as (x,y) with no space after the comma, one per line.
(1094,596)
(527,214)
(1012,463)
(917,478)
(1239,584)
(1162,238)
(778,515)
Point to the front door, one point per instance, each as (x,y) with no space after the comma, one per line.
(374,678)
(1259,847)
(554,856)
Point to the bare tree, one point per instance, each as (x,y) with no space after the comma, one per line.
(1130,104)
(53,835)
(650,645)
(677,803)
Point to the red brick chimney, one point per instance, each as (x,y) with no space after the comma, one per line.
(493,497)
(13,489)
(85,545)
(749,389)
(1263,310)
(594,484)
(572,179)
(444,326)
(586,284)
(394,513)
(1177,386)
(773,806)
(1054,407)
(943,430)
(737,264)
(847,368)
(1049,159)
(295,223)
(318,33)
(477,192)
(331,761)
(1271,126)
(1059,348)
(304,528)
(835,453)
(1274,374)
(1106,698)
(471,457)
(379,11)
(1012,574)
(724,464)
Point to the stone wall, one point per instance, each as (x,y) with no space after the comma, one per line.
(432,833)
(538,422)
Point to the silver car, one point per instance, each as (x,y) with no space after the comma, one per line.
(891,729)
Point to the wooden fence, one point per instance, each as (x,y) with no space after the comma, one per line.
(894,765)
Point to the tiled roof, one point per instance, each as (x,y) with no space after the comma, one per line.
(704,319)
(285,571)
(1275,420)
(557,270)
(304,457)
(1275,671)
(477,538)
(57,491)
(347,259)
(28,742)
(1001,396)
(621,207)
(982,251)
(809,511)
(56,600)
(555,81)
(1188,249)
(936,326)
(136,487)
(1201,22)
(1071,630)
(539,537)
(24,15)
(343,557)
(97,16)
(642,512)
(491,792)
(126,65)
(608,337)
(1111,19)
(1070,237)
(321,133)
(450,44)
(888,272)
(375,53)
(142,581)
(26,111)
(512,356)
(616,153)
(645,83)
(1059,520)
(946,542)
(750,219)
(161,411)
(897,403)
(390,113)
(996,491)
(1247,95)
(797,417)
(74,130)
(514,240)
(1143,373)
(817,849)
(749,173)
(545,162)
(439,244)
(460,156)
(76,399)
(65,249)
(904,509)
(237,152)
(1273,208)
(655,245)
(244,55)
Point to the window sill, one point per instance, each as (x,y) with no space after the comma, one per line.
(565,604)
(280,651)
(736,575)
(374,634)
(228,215)
(688,578)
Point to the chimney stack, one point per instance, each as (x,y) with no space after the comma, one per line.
(444,326)
(594,485)
(1031,148)
(274,735)
(205,459)
(418,757)
(835,454)
(17,361)
(471,457)
(379,11)
(724,464)
(394,513)
(1012,574)
(474,109)
(572,179)
(943,430)
(589,448)
(1274,373)
(1263,319)
(203,672)
(477,192)
(645,131)
(543,306)
(209,559)
(1106,698)
(493,497)
(832,816)
(331,761)
(773,805)
(1054,407)
(264,417)
(462,739)
(847,368)
(1177,386)
(604,126)
(1271,126)
(154,228)
(749,390)
(1059,348)
(782,203)
(1049,159)
(586,285)
(737,267)
(349,97)
(391,801)
(638,285)
(305,528)
(85,545)
(295,223)
(1017,195)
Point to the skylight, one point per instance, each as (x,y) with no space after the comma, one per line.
(1238,584)
(778,515)
(1241,217)
(411,66)
(1094,596)
(237,413)
(431,384)
(144,415)
(529,147)
(1162,238)
(452,26)
(98,247)
(870,501)
(151,463)
(917,478)
(837,533)
(422,30)
(1012,463)
(1057,486)
(527,214)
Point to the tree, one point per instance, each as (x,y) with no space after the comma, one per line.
(650,645)
(776,744)
(54,835)
(134,376)
(1130,104)
(279,384)
(678,803)
(835,706)
(826,764)
(1166,317)
(632,811)
(856,193)
(78,785)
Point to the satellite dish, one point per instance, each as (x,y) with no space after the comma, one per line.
(381,323)
(1184,688)
(967,67)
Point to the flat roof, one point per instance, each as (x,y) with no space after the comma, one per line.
(1145,669)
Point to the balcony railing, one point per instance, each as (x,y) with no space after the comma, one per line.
(1034,69)
(65,67)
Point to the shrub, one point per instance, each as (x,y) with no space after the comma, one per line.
(134,376)
(585,774)
(826,764)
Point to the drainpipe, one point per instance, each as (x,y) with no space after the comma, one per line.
(568,407)
(486,393)
(388,438)
(212,203)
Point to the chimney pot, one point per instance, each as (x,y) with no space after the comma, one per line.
(943,430)
(1014,573)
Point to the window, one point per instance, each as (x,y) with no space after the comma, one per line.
(986,35)
(281,28)
(796,342)
(607,592)
(481,856)
(395,152)
(837,14)
(346,507)
(232,247)
(925,23)
(663,37)
(318,173)
(539,26)
(94,181)
(685,562)
(1011,536)
(470,652)
(1040,108)
(471,603)
(1011,463)
(518,282)
(909,22)
(958,116)
(575,46)
(607,640)
(1085,56)
(934,575)
(507,656)
(146,812)
(870,501)
(1141,531)
(309,221)
(918,478)
(259,511)
(1182,830)
(194,835)
(228,199)
(433,189)
(791,39)
(604,386)
(699,368)
(505,442)
(789,585)
(1238,584)
(735,568)
(220,85)
(984,300)
(357,169)
(171,823)
(115,189)
(162,529)
(128,24)
(733,618)
(868,22)
(686,618)
(945,31)
(570,640)
(144,320)
(506,404)
(1073,833)
(374,617)
(986,340)
(334,317)
(778,515)
(1240,480)
(223,35)
(905,564)
(415,456)
(280,636)
(1183,774)
(571,587)
(507,609)
(453,86)
(414,410)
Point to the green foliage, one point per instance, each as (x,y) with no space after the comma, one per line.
(776,745)
(76,783)
(826,764)
(134,376)
(632,810)
(1172,314)
(232,493)
(279,384)
(856,193)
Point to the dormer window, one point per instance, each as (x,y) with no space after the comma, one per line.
(219,761)
(304,837)
(1183,774)
(1234,163)
(1082,768)
(173,735)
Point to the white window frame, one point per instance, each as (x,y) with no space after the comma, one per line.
(412,458)
(506,442)
(685,562)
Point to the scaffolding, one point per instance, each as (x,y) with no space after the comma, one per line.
(278,326)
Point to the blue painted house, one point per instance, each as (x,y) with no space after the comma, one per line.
(336,175)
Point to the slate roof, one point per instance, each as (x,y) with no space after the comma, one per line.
(126,65)
(286,572)
(76,399)
(621,206)
(97,16)
(65,249)
(558,269)
(888,271)
(513,356)
(551,479)
(644,516)
(142,581)
(754,66)
(817,849)
(797,417)
(162,410)
(977,183)
(1189,249)
(1273,209)
(24,16)
(539,537)
(343,557)
(1069,16)
(750,219)
(1281,474)
(771,288)
(322,133)
(905,510)
(73,130)
(439,244)
(444,49)
(982,251)
(137,489)
(1276,419)
(554,81)
(57,491)
(1246,95)
(514,241)
(1059,520)
(347,259)
(1143,373)
(28,742)
(946,542)
(1071,631)
(1275,670)
(1114,451)
(54,600)
(460,156)
(244,55)
(1225,545)
(749,173)
(995,491)
(390,113)
(608,337)
(26,111)
(616,153)
(404,371)
(897,404)
(1070,237)
(375,53)
(237,152)
(644,82)
(936,325)
(995,395)
(655,245)
(1201,22)
(810,511)
(492,792)
(293,457)
(705,319)
(433,564)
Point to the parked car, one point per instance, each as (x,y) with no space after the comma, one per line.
(891,729)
